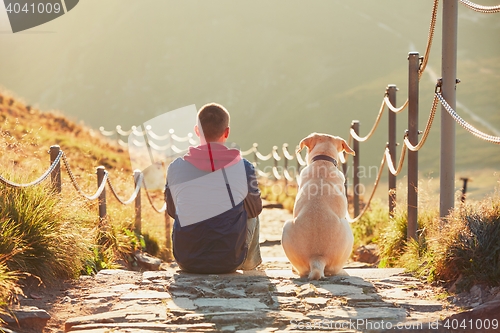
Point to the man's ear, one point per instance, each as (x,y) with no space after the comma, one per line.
(346,148)
(226,132)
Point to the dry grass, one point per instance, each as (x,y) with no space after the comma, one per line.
(463,249)
(26,135)
(57,236)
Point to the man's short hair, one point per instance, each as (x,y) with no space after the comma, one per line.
(214,119)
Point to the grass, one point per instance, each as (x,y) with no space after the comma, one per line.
(463,249)
(48,235)
(58,236)
(9,288)
(466,248)
(369,228)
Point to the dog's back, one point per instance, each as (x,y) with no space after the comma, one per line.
(319,240)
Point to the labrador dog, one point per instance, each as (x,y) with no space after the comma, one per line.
(319,240)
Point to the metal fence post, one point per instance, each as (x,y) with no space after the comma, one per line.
(355,177)
(138,213)
(449,73)
(413,90)
(102,198)
(55,176)
(391,93)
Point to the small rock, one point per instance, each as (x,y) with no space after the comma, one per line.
(306,290)
(257,288)
(481,313)
(368,254)
(147,261)
(229,328)
(27,317)
(316,300)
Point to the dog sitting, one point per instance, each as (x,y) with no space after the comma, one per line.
(319,240)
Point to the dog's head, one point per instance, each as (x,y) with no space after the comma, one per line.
(324,144)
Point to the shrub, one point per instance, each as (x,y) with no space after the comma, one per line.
(467,246)
(8,285)
(43,233)
(368,228)
(464,248)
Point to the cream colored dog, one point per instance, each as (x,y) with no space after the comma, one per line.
(318,241)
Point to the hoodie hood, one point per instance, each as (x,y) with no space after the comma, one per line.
(212,157)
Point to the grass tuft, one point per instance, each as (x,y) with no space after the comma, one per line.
(47,235)
(9,289)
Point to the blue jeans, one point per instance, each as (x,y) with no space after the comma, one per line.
(253,258)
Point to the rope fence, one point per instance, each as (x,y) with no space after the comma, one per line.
(480,8)
(280,160)
(54,171)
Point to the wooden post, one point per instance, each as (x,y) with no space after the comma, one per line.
(55,176)
(355,178)
(285,167)
(102,198)
(391,93)
(464,189)
(344,171)
(413,91)
(138,213)
(168,235)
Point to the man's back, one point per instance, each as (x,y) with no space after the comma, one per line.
(211,193)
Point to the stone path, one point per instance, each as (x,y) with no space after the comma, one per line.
(270,299)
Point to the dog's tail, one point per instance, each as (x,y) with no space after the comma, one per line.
(317,268)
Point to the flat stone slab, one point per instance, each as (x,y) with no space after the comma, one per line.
(341,289)
(27,317)
(230,303)
(379,313)
(143,327)
(146,294)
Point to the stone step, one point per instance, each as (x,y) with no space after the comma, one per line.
(270,300)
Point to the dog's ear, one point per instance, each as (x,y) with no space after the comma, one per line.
(308,142)
(346,148)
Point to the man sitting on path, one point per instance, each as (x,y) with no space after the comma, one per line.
(213,195)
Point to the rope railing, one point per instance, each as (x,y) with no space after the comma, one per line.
(468,127)
(77,186)
(162,209)
(427,130)
(374,127)
(147,133)
(392,107)
(37,181)
(54,170)
(375,185)
(277,172)
(480,8)
(390,162)
(430,38)
(137,190)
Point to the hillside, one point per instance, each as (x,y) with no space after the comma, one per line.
(26,133)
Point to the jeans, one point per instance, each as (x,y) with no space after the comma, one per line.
(253,258)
